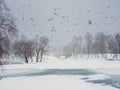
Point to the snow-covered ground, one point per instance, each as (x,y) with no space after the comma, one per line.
(56,74)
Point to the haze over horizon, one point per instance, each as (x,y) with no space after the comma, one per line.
(60,20)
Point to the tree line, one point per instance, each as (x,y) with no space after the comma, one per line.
(94,45)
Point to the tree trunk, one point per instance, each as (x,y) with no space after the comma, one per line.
(41,55)
(37,57)
(31,59)
(26,59)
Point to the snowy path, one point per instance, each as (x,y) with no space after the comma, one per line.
(62,75)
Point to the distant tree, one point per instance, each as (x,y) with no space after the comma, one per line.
(112,44)
(76,45)
(100,41)
(115,47)
(109,40)
(40,45)
(68,49)
(24,49)
(117,37)
(89,43)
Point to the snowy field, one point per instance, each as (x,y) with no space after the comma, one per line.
(56,74)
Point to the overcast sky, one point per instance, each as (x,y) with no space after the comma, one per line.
(60,20)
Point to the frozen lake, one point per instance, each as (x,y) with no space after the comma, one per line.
(62,74)
(113,80)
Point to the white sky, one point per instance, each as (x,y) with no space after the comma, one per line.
(72,17)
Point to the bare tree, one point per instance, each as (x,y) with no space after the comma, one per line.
(7,28)
(40,45)
(89,43)
(24,49)
(117,37)
(100,40)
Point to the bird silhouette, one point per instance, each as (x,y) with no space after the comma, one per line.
(22,18)
(89,22)
(51,19)
(63,17)
(56,13)
(108,6)
(31,19)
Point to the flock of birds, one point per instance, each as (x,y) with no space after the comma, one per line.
(55,13)
(65,18)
